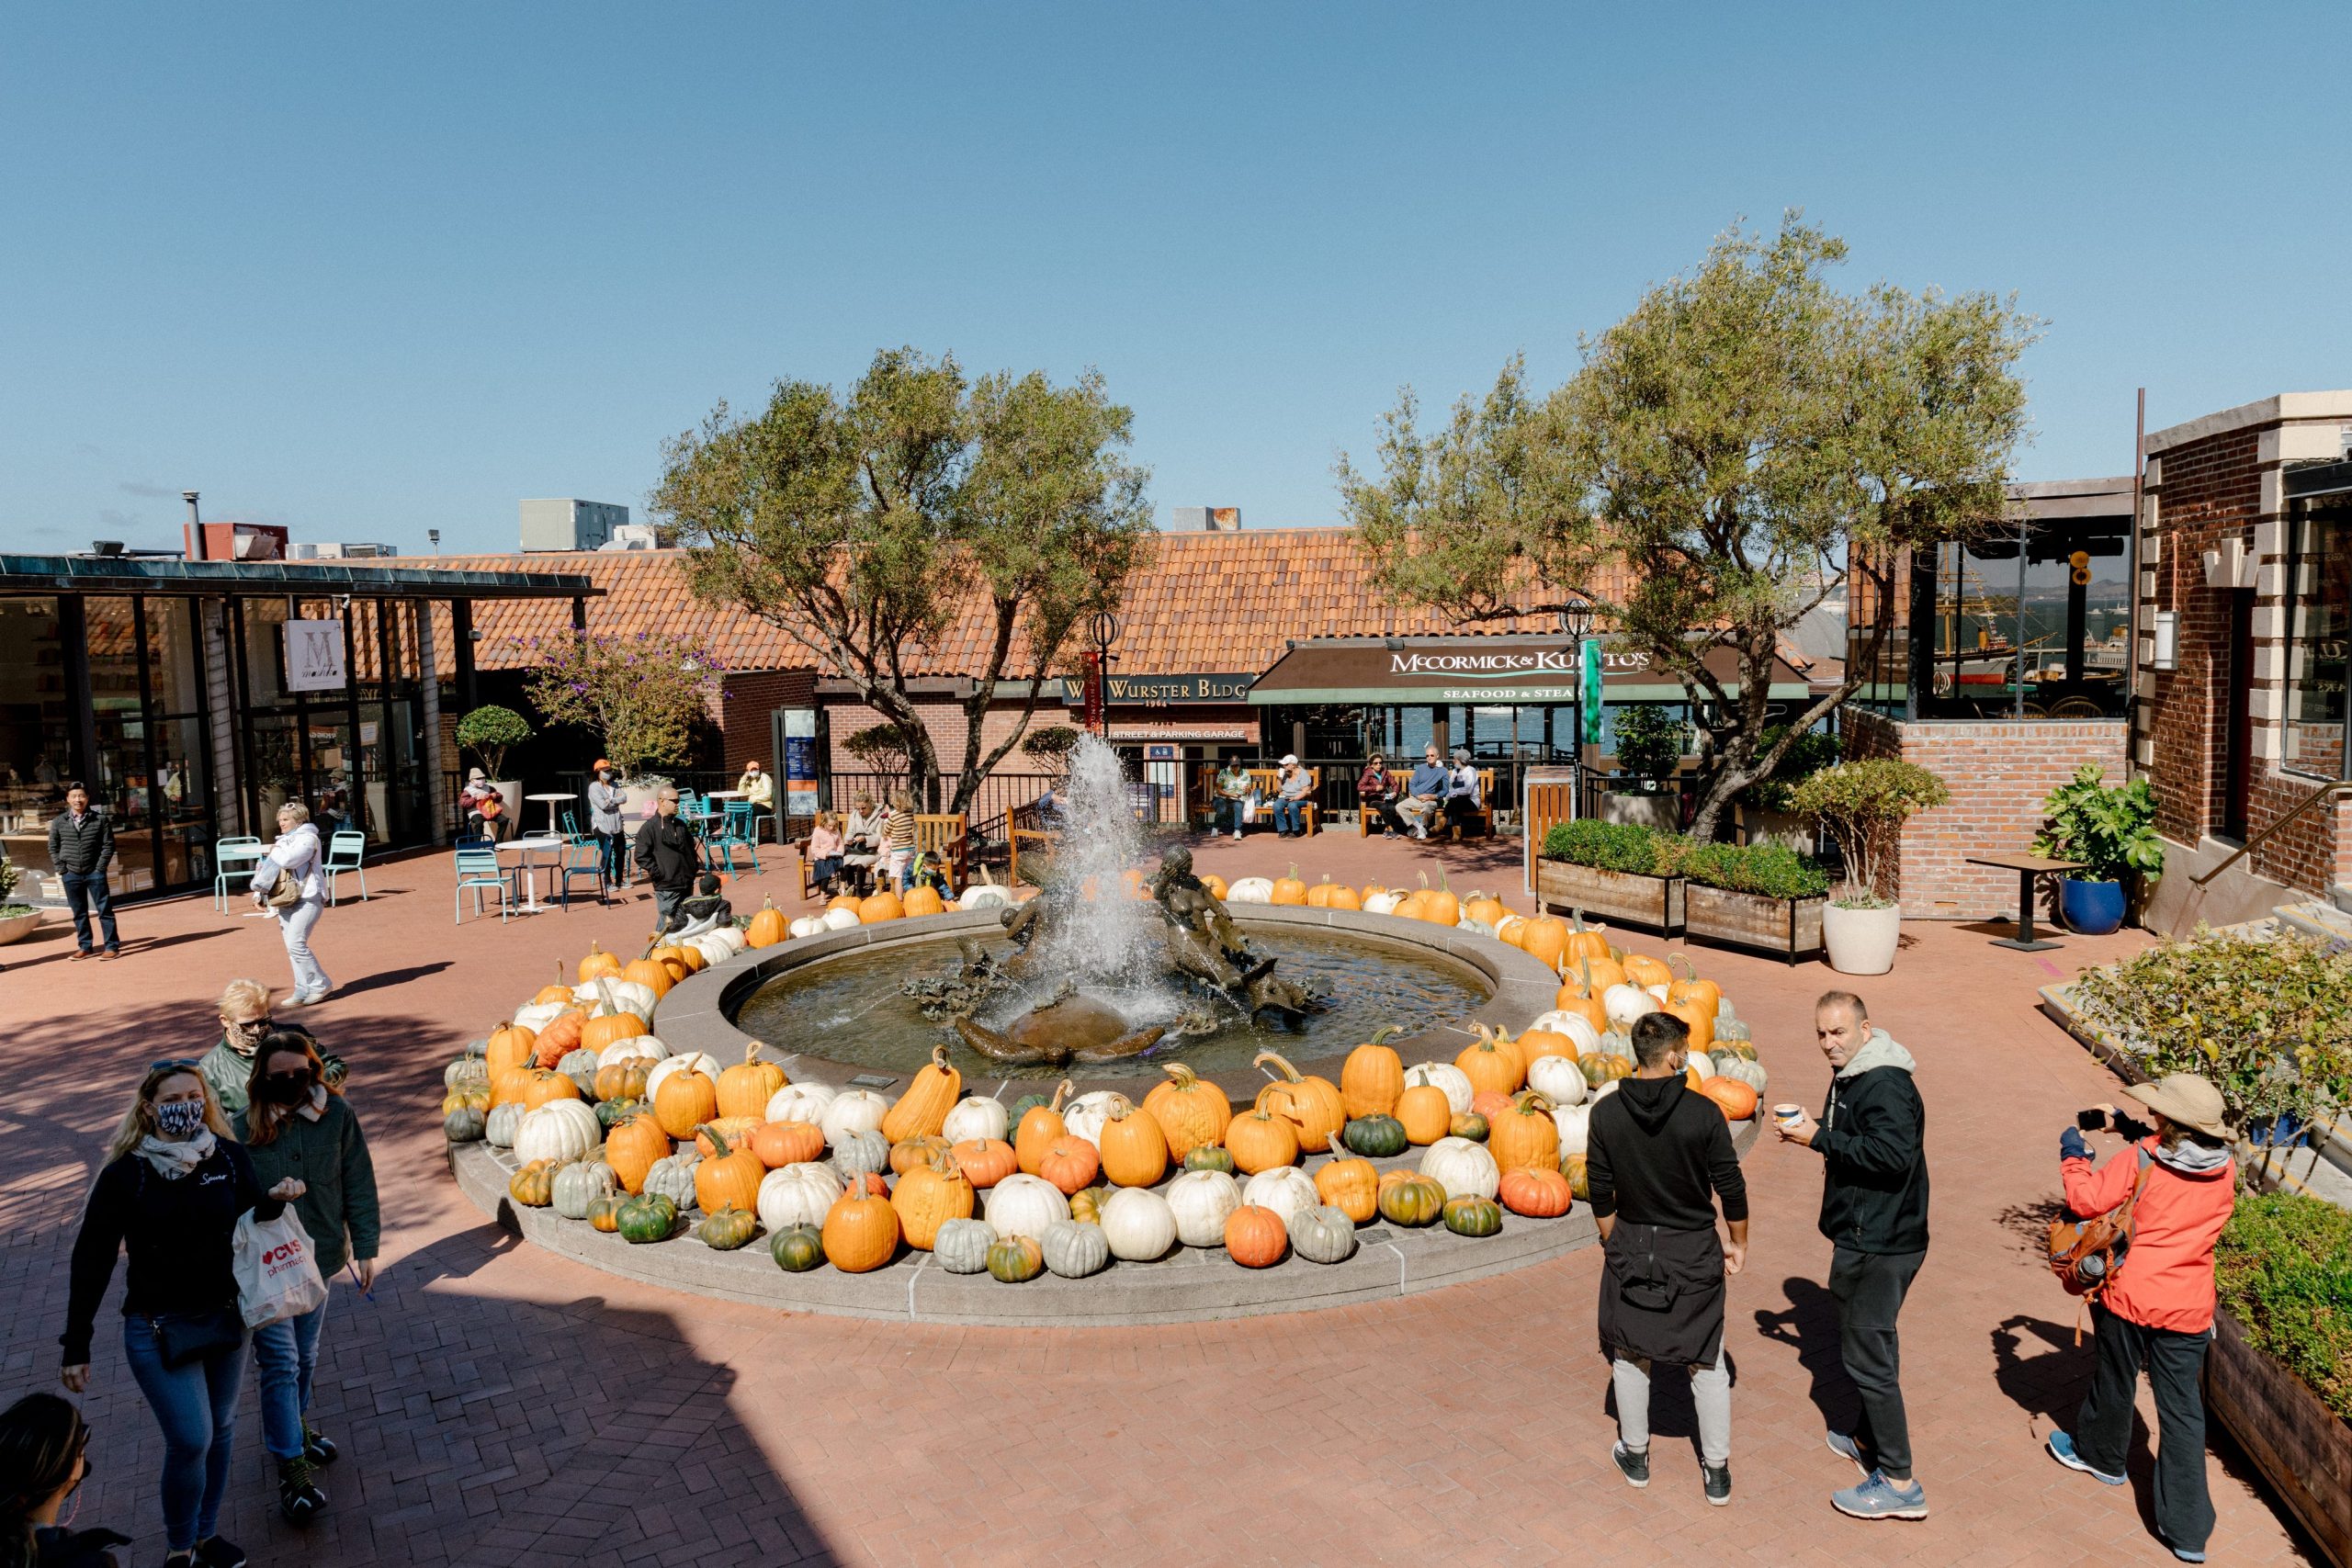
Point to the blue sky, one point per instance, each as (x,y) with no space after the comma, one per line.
(365,271)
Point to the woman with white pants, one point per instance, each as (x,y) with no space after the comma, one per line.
(297,854)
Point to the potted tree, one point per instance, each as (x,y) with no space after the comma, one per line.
(18,922)
(2112,830)
(1862,808)
(1650,748)
(487,732)
(1765,816)
(640,695)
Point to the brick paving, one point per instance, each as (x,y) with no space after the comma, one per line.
(496,1405)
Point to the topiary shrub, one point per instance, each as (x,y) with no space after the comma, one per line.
(488,731)
(1862,806)
(1649,744)
(2284,1271)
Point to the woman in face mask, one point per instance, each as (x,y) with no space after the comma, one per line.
(169,1197)
(299,1129)
(43,1462)
(605,798)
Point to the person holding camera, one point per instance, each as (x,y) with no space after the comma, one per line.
(2156,1308)
(1872,1142)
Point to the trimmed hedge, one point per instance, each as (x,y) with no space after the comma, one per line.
(1611,846)
(1773,870)
(2284,1269)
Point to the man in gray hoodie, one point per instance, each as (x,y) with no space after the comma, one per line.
(1872,1141)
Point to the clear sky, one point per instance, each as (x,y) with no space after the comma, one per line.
(366,270)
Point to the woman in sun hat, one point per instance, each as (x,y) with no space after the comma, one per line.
(2157,1310)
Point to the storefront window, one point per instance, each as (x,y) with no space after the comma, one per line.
(2318,619)
(2075,624)
(34,735)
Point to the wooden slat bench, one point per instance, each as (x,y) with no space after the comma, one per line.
(1399,777)
(1268,781)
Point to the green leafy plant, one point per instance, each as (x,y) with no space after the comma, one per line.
(1775,871)
(1806,755)
(1862,806)
(2268,1021)
(879,747)
(2284,1271)
(9,875)
(488,731)
(642,696)
(1649,744)
(1050,747)
(1610,846)
(2111,829)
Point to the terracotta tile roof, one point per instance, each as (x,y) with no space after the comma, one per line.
(1208,603)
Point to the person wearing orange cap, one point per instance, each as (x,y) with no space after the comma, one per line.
(605,799)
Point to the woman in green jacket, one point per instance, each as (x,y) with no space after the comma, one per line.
(297,1125)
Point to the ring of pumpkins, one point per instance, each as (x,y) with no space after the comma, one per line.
(607,1126)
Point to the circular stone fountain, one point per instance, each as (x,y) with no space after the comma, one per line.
(837,1009)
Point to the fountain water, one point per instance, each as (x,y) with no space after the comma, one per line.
(1101,842)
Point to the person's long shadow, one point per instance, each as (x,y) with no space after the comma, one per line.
(1810,1326)
(2049,1387)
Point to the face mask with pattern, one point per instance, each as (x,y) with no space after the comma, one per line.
(179,1119)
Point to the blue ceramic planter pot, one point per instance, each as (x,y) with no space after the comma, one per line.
(2091,908)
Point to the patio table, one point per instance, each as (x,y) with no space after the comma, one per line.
(523,849)
(2028,867)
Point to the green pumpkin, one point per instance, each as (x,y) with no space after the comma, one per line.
(1086,1208)
(1470,1125)
(1419,1201)
(465,1126)
(604,1213)
(1467,1216)
(580,1066)
(1015,1259)
(797,1249)
(1209,1156)
(649,1216)
(962,1245)
(1021,1107)
(1599,1069)
(1323,1234)
(1374,1137)
(611,1113)
(579,1184)
(728,1229)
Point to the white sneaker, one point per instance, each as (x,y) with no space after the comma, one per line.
(1236,835)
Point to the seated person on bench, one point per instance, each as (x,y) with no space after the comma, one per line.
(1463,795)
(1424,792)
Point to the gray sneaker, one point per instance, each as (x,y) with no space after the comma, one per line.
(1878,1498)
(1634,1465)
(1716,1478)
(1845,1448)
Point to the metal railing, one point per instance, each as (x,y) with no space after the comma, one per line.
(2339,788)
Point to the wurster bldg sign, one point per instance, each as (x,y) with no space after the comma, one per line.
(1480,671)
(1160,691)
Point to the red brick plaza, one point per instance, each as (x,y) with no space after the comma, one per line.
(495,1404)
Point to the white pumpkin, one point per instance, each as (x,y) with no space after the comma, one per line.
(840,920)
(976,1116)
(701,1062)
(1462,1168)
(1024,1205)
(1383,903)
(535,1016)
(1574,1124)
(1626,1003)
(562,1130)
(1605,1091)
(1086,1115)
(1657,992)
(637,1048)
(729,937)
(800,1102)
(712,951)
(1574,1025)
(986,895)
(1477,927)
(1704,1063)
(1251,890)
(854,1111)
(797,1195)
(1138,1225)
(807,926)
(1286,1190)
(1557,1080)
(604,995)
(1444,1076)
(1202,1202)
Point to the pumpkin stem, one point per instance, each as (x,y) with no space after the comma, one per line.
(1290,1074)
(1384,1032)
(938,1058)
(1183,1076)
(1528,1100)
(1061,1092)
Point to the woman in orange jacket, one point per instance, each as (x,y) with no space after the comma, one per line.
(2157,1310)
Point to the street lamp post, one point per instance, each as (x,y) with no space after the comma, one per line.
(1106,627)
(1575,624)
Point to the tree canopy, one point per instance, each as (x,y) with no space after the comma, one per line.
(875,522)
(1745,446)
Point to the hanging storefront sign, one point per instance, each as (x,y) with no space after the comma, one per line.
(1161,691)
(314,656)
(1478,671)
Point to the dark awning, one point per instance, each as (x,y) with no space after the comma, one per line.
(1479,670)
(167,574)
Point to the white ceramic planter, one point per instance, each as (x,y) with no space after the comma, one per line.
(1861,942)
(15,927)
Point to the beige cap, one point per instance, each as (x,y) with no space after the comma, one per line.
(2187,1098)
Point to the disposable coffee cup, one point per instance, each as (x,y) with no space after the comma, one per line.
(1788,1114)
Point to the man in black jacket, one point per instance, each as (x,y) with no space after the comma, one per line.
(1872,1142)
(668,852)
(1658,1159)
(81,842)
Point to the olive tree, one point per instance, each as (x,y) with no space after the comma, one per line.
(920,505)
(1746,445)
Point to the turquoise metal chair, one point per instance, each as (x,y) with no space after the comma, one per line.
(345,850)
(582,857)
(478,868)
(233,857)
(737,831)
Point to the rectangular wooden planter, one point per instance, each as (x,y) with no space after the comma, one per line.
(1621,896)
(2302,1448)
(1791,926)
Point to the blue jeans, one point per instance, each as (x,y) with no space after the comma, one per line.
(287,1353)
(195,1406)
(294,925)
(1289,816)
(613,858)
(1228,815)
(85,893)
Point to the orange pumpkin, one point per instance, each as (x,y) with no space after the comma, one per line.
(1545,937)
(745,1089)
(1484,907)
(984,1161)
(1439,907)
(929,1196)
(1488,1103)
(1573,999)
(787,1143)
(599,964)
(915,1151)
(1040,1125)
(1192,1113)
(1492,1062)
(1069,1162)
(1535,1043)
(1351,1185)
(1372,1077)
(722,1134)
(610,1030)
(1426,1113)
(1261,1140)
(861,1233)
(1213,883)
(729,1180)
(882,906)
(1525,1134)
(849,902)
(768,927)
(541,1085)
(623,1080)
(1289,889)
(1255,1238)
(560,1038)
(1644,971)
(690,958)
(1584,941)
(684,1102)
(1700,1018)
(558,992)
(1538,1194)
(1135,1149)
(1737,1098)
(510,1046)
(1312,1104)
(923,900)
(1597,975)
(632,1147)
(1409,907)
(922,1110)
(653,975)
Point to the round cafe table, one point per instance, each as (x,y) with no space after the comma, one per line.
(551,800)
(525,851)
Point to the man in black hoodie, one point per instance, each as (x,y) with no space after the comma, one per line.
(1658,1159)
(1872,1142)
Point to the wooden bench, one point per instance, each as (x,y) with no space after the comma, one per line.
(1399,777)
(945,838)
(1268,781)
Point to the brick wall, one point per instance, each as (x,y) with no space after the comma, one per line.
(944,719)
(1998,775)
(746,701)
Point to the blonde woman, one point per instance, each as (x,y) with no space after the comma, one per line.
(297,854)
(169,1196)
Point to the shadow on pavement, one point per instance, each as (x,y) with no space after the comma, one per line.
(1810,1327)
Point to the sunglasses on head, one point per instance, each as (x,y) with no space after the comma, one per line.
(174,1062)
